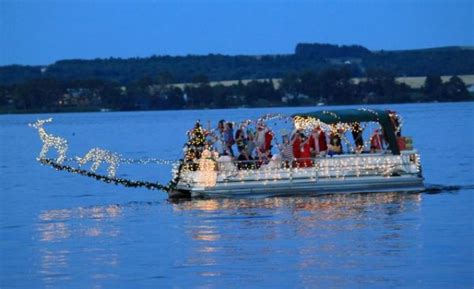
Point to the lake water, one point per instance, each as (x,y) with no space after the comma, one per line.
(60,230)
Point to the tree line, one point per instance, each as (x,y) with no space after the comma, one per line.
(329,86)
(306,57)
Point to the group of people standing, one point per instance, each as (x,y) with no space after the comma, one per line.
(301,148)
(254,147)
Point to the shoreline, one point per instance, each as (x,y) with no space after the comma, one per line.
(217,108)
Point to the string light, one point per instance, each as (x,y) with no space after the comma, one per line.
(148,161)
(49,141)
(98,155)
(106,179)
(203,167)
(327,168)
(143,161)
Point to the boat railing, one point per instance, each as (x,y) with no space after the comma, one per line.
(208,171)
(349,160)
(365,162)
(301,163)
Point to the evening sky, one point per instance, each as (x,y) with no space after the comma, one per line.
(41,32)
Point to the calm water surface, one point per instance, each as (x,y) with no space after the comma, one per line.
(59,230)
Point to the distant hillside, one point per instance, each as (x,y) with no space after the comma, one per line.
(307,57)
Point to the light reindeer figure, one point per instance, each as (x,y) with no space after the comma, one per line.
(49,140)
(97,156)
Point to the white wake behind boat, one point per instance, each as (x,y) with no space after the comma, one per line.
(396,168)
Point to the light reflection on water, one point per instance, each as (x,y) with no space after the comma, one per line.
(66,225)
(226,238)
(54,226)
(317,222)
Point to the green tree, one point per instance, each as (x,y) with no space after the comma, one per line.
(433,87)
(290,84)
(456,90)
(200,79)
(40,93)
(309,84)
(3,96)
(164,78)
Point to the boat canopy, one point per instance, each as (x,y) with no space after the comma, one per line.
(358,115)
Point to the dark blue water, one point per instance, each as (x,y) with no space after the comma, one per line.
(59,230)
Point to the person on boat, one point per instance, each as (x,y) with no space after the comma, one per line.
(317,142)
(286,150)
(274,163)
(304,160)
(376,142)
(245,161)
(395,118)
(229,138)
(264,137)
(250,143)
(217,137)
(221,127)
(260,135)
(356,131)
(264,143)
(264,157)
(296,143)
(240,137)
(268,139)
(335,144)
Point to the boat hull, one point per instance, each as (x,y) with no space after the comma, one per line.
(309,187)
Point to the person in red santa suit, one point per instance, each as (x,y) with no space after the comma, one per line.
(317,142)
(268,139)
(264,137)
(260,136)
(305,160)
(296,142)
(376,142)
